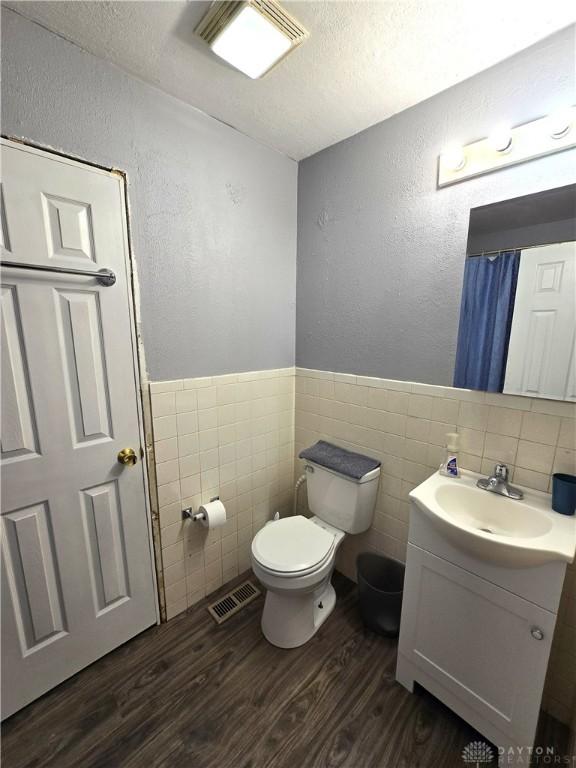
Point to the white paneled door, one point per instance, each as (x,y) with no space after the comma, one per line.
(542,352)
(77,577)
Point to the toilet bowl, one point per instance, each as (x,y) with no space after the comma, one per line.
(293,559)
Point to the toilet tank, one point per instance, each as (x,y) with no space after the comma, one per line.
(341,501)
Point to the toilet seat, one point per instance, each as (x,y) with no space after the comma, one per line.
(293,546)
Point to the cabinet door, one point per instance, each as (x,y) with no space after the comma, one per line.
(478,641)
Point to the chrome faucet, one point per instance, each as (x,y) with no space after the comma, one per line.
(498,483)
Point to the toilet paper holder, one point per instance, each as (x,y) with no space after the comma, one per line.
(189,514)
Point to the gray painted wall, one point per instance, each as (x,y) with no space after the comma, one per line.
(381,250)
(213,213)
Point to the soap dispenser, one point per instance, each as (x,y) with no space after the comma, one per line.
(450,466)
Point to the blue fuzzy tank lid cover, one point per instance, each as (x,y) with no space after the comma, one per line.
(354,465)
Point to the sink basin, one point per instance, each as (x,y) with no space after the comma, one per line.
(495,515)
(493,527)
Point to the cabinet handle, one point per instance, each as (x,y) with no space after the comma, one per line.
(537,633)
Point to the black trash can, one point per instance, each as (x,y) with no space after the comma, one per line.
(380,587)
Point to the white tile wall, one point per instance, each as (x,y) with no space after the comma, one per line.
(236,435)
(229,436)
(404,424)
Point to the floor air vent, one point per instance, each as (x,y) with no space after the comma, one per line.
(233,602)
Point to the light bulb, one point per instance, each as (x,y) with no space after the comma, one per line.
(560,122)
(453,157)
(501,138)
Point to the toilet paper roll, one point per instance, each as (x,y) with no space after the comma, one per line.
(214,514)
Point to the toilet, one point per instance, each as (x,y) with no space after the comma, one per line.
(293,558)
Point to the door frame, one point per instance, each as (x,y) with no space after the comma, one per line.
(143,403)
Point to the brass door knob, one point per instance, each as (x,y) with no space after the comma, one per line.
(127,456)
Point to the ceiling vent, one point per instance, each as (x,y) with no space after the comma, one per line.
(251,35)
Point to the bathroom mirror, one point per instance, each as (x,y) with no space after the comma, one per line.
(517,331)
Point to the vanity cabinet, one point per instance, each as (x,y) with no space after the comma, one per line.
(472,642)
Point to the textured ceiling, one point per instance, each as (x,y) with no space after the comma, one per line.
(363,62)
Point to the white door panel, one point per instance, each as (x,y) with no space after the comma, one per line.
(571,385)
(19,435)
(72,213)
(541,351)
(80,328)
(4,238)
(77,577)
(35,581)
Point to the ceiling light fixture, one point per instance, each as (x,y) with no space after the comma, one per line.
(251,35)
(501,138)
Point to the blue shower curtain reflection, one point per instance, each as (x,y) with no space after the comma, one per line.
(485,320)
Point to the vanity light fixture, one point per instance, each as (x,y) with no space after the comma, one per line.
(251,35)
(508,146)
(501,138)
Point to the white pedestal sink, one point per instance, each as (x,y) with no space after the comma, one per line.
(484,575)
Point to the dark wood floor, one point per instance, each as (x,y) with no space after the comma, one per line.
(190,694)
